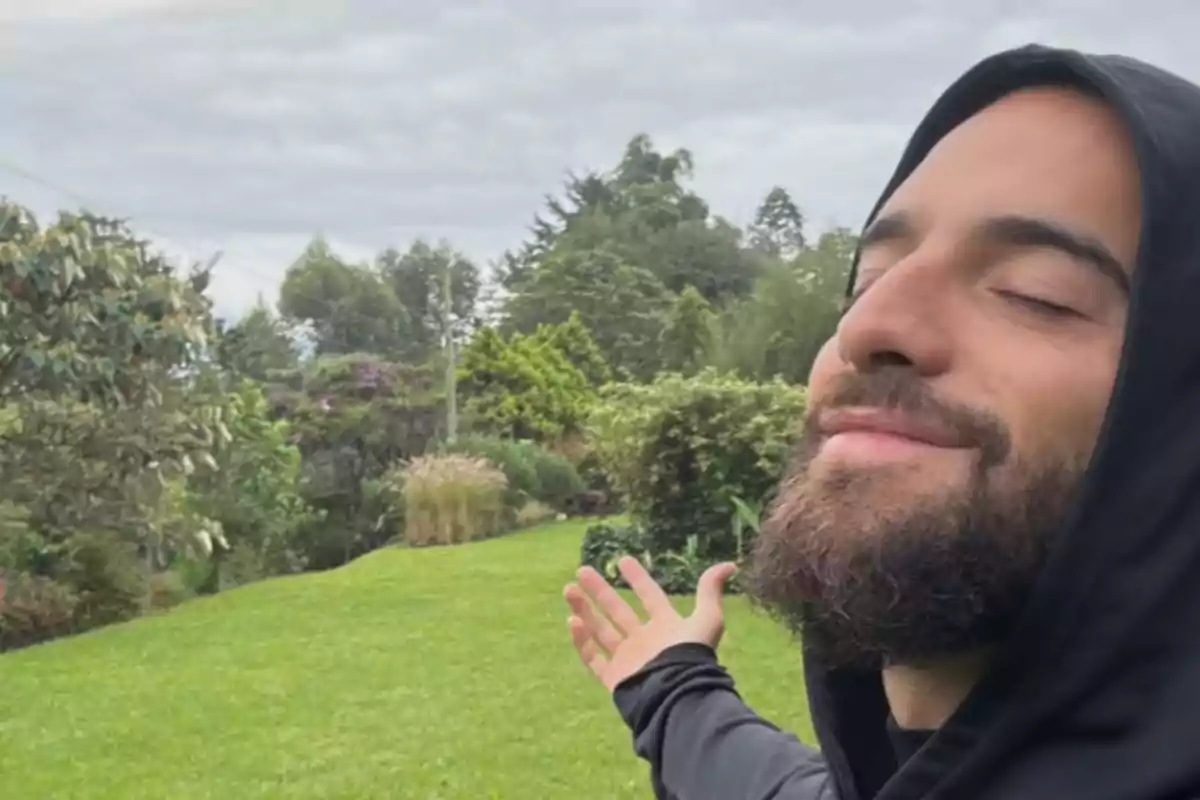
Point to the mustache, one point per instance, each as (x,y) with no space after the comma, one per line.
(902,390)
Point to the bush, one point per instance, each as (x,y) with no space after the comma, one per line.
(109,582)
(34,609)
(452,498)
(533,473)
(253,494)
(507,455)
(534,513)
(523,387)
(168,589)
(354,419)
(682,450)
(557,480)
(605,544)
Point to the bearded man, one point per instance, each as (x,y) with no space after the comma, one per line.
(989,537)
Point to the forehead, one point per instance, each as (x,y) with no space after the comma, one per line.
(1053,153)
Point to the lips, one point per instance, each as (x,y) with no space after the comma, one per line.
(882,422)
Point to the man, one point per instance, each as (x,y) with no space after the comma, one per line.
(989,538)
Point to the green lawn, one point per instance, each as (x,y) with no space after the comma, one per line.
(436,673)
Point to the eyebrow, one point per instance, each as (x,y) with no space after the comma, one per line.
(1014,230)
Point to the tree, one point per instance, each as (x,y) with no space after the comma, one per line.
(89,310)
(687,337)
(793,310)
(573,339)
(416,278)
(778,228)
(98,417)
(618,246)
(350,308)
(620,303)
(523,387)
(260,345)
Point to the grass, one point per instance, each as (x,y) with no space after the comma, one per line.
(434,673)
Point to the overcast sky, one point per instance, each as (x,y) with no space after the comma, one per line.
(247,125)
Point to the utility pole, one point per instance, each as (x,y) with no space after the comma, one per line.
(451,374)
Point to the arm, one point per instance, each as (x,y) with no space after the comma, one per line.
(703,742)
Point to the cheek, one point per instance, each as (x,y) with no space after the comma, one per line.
(825,369)
(1058,404)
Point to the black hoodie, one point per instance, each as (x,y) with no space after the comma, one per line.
(1096,695)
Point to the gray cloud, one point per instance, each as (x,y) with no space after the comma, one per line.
(247,126)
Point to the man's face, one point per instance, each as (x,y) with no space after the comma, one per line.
(954,411)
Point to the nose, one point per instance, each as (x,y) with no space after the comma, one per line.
(900,320)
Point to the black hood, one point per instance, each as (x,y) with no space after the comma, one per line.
(1096,694)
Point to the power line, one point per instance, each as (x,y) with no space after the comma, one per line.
(85,201)
(213,258)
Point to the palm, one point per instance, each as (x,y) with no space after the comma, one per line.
(614,642)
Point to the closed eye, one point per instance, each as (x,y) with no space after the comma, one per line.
(1037,304)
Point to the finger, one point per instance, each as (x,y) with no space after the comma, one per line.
(611,603)
(587,647)
(710,591)
(653,598)
(598,625)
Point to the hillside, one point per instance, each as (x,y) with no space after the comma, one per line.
(435,673)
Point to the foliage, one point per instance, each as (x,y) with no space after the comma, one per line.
(106,576)
(34,609)
(618,249)
(687,336)
(676,571)
(350,308)
(149,454)
(253,494)
(534,513)
(778,228)
(793,310)
(522,388)
(451,499)
(606,543)
(533,473)
(260,346)
(354,417)
(573,339)
(619,302)
(681,449)
(87,310)
(417,279)
(558,482)
(99,421)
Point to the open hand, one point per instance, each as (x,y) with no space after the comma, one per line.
(612,640)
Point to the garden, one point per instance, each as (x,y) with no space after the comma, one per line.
(318,550)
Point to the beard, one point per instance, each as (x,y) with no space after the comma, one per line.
(870,572)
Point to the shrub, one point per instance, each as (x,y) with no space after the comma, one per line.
(605,544)
(534,513)
(452,498)
(507,455)
(533,472)
(253,494)
(168,589)
(557,479)
(355,417)
(682,449)
(34,609)
(108,580)
(523,387)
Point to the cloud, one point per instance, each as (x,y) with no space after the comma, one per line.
(248,126)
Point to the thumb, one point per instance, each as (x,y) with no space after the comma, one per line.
(710,591)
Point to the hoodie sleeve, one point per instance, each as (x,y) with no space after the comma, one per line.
(704,743)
